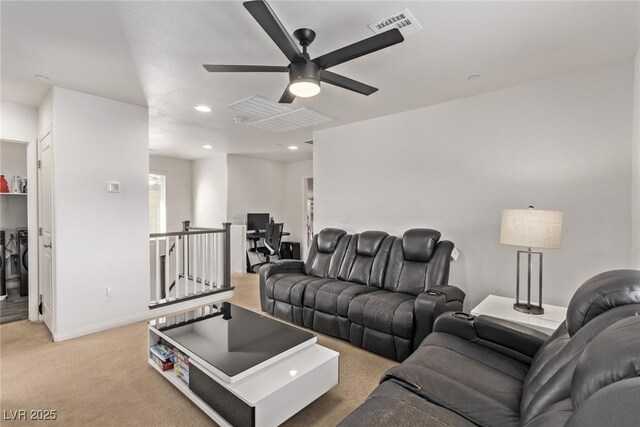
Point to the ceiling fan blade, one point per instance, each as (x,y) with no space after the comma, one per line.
(346,83)
(261,12)
(246,68)
(361,48)
(287,97)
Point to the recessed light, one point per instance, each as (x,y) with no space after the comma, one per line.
(208,147)
(293,147)
(203,108)
(473,77)
(41,77)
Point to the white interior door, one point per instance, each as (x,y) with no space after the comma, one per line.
(45,238)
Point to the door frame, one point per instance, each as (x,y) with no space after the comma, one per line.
(32,223)
(304,246)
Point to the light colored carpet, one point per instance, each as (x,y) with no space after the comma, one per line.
(103,379)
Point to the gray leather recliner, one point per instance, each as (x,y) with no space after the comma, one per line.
(380,292)
(489,372)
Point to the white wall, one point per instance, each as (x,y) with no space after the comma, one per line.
(209,191)
(294,200)
(100,238)
(18,122)
(635,162)
(178,190)
(562,143)
(255,185)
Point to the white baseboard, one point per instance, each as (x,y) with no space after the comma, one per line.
(140,317)
(63,336)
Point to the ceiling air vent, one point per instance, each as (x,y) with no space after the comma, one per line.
(291,120)
(258,106)
(403,20)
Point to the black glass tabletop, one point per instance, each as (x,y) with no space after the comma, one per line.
(230,338)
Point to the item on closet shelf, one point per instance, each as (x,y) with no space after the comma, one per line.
(24,185)
(16,184)
(4,185)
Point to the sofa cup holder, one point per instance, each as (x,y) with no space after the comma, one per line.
(463,316)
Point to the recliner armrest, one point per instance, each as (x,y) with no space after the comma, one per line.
(514,340)
(431,304)
(451,293)
(268,270)
(281,266)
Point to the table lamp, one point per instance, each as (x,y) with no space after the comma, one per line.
(530,228)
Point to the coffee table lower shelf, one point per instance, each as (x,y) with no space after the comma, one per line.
(172,377)
(265,398)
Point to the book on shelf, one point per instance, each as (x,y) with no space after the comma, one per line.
(164,365)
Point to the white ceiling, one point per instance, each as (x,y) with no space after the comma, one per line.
(151,54)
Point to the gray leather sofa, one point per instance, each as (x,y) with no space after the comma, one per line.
(380,292)
(488,372)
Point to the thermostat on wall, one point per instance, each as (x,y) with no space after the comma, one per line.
(113,187)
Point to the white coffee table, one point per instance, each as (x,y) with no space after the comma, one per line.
(502,308)
(246,368)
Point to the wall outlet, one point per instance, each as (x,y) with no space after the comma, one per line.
(108,293)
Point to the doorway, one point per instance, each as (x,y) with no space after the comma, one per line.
(307,232)
(14,231)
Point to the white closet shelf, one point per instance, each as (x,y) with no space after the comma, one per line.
(13,194)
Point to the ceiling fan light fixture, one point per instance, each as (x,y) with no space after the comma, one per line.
(305,87)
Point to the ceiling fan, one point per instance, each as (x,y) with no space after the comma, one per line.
(305,74)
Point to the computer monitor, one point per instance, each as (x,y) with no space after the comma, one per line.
(257,221)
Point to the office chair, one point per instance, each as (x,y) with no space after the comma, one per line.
(272,240)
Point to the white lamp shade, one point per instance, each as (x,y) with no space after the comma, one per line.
(531,228)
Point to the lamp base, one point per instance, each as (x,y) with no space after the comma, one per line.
(528,308)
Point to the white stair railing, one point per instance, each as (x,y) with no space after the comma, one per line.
(188,264)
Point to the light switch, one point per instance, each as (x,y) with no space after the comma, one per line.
(113,187)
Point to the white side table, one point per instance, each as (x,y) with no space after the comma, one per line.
(502,308)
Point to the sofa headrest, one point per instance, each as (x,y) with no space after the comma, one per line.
(328,239)
(369,242)
(418,244)
(613,355)
(601,293)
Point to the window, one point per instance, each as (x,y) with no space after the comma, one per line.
(157,203)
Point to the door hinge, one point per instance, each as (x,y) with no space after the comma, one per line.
(39,231)
(40,304)
(39,164)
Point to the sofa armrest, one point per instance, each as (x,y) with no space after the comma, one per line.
(514,340)
(431,304)
(268,270)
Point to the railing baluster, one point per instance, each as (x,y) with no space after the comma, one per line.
(157,261)
(203,244)
(177,267)
(195,262)
(167,266)
(212,259)
(184,264)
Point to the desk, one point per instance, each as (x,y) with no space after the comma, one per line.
(502,308)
